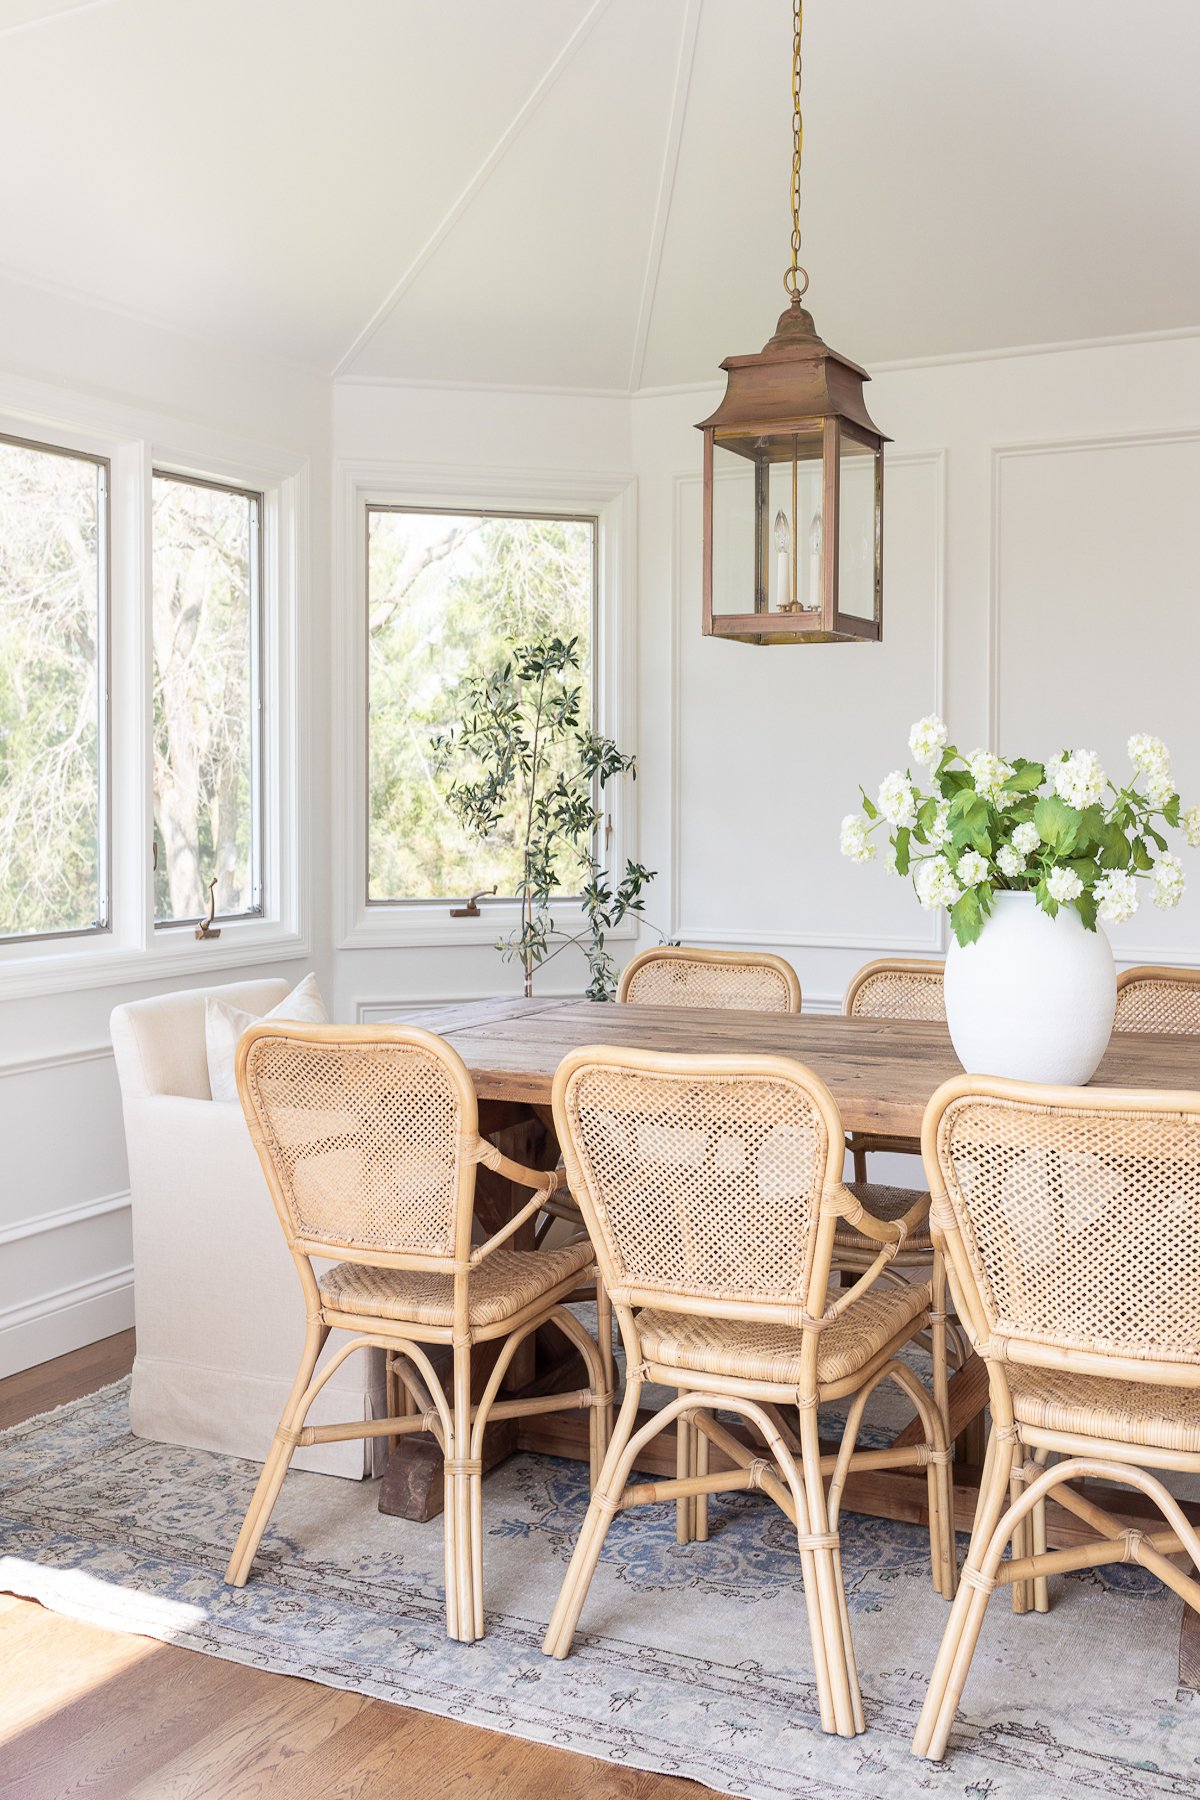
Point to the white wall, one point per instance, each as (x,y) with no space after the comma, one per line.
(65,1260)
(1042,588)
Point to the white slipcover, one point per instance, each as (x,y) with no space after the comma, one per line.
(217,1301)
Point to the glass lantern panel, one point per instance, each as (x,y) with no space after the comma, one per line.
(857,527)
(795,529)
(733,532)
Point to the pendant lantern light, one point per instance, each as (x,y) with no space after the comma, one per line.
(793,478)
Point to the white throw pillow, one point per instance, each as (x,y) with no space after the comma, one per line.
(224,1025)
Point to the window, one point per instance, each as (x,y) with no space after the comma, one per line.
(207,582)
(53,691)
(448,593)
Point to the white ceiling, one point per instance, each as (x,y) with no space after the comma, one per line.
(593,193)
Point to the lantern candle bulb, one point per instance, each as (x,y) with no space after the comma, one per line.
(814,561)
(783,544)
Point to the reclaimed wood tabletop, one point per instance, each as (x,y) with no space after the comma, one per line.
(881,1072)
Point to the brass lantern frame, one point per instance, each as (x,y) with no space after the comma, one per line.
(794,388)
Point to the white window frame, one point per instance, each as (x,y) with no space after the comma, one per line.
(608,498)
(136,442)
(257,501)
(103,679)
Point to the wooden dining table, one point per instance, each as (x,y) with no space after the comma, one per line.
(882,1074)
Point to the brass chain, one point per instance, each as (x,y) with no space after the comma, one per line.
(796,279)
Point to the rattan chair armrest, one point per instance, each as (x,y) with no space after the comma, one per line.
(881,1231)
(545,1182)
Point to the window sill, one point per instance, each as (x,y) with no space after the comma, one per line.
(428,924)
(24,975)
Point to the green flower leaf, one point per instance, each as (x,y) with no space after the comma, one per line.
(1085,906)
(1170,813)
(901,842)
(1046,900)
(1059,824)
(966,917)
(869,806)
(1026,776)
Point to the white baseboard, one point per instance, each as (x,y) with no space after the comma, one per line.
(65,1320)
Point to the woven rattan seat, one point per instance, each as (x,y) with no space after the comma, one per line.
(711,1188)
(772,1353)
(737,980)
(508,1282)
(369,1140)
(1139,1412)
(885,1203)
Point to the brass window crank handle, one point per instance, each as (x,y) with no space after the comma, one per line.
(471,909)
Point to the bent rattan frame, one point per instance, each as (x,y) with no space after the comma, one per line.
(738,980)
(699,1220)
(1150,998)
(1119,1303)
(369,1140)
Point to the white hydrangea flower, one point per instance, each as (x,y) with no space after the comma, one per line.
(989,772)
(1026,838)
(1191,826)
(1159,787)
(854,840)
(935,883)
(1063,885)
(927,740)
(1080,780)
(972,869)
(939,830)
(1010,861)
(897,799)
(1116,896)
(1167,880)
(1148,754)
(889,859)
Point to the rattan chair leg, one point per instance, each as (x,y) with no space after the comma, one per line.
(603,1504)
(464,1557)
(962,1629)
(1037,1523)
(1022,1591)
(684,1466)
(834,1618)
(279,1457)
(700,1468)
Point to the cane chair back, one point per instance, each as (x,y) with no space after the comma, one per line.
(895,988)
(700,1178)
(1150,999)
(738,980)
(361,1131)
(1071,1220)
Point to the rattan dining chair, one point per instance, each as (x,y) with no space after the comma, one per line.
(901,988)
(711,1187)
(369,1140)
(1154,999)
(678,975)
(1071,1221)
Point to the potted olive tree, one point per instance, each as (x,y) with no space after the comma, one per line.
(525,763)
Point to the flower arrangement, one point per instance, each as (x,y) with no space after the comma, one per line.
(1061,831)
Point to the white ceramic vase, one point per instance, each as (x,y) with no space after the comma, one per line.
(1033,997)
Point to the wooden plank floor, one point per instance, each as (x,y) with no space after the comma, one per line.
(106,1716)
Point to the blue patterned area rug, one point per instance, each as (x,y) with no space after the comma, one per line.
(692,1660)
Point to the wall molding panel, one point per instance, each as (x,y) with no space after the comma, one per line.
(56,1059)
(1002,457)
(928,936)
(64,1319)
